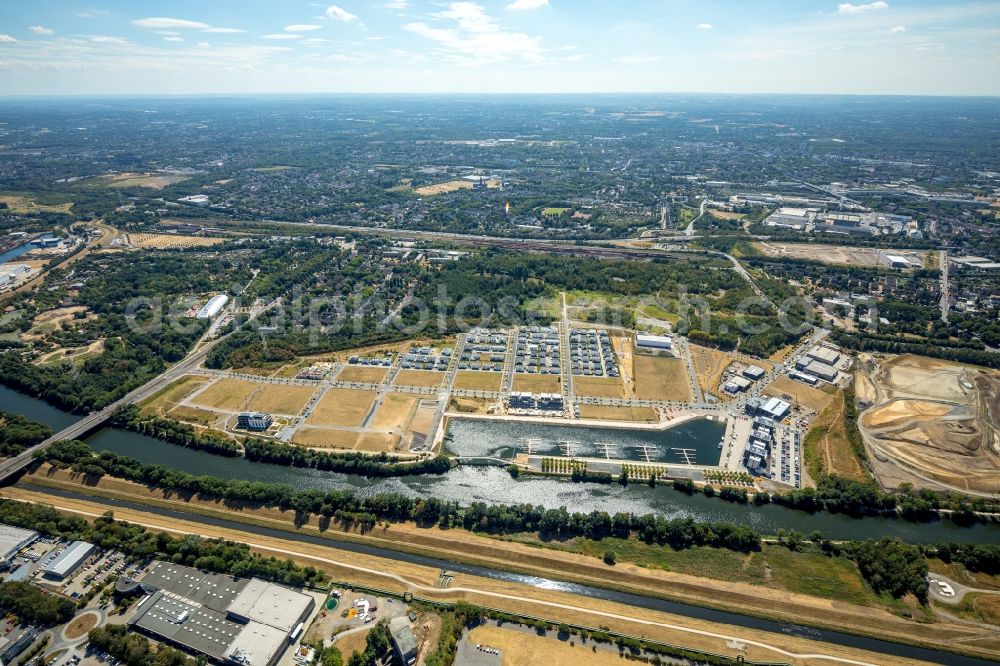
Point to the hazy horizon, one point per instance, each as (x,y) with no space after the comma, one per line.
(815,47)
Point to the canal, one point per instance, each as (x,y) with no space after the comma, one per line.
(494,485)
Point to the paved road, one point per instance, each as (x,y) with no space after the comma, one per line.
(701,213)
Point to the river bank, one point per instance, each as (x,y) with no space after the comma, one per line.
(464,583)
(493,485)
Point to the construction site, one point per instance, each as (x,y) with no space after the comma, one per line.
(930,423)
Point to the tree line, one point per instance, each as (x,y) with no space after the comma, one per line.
(18,433)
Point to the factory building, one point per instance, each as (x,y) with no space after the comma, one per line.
(12,541)
(254,421)
(213,307)
(232,621)
(653,341)
(69,560)
(804,377)
(753,372)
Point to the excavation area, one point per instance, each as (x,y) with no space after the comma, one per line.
(932,423)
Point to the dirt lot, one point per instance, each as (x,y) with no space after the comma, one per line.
(476,380)
(326,438)
(395,411)
(933,420)
(612,413)
(361,373)
(169,241)
(169,397)
(834,254)
(449,186)
(51,320)
(519,648)
(419,378)
(709,364)
(226,393)
(151,181)
(537,383)
(74,354)
(827,441)
(660,378)
(470,405)
(25,205)
(281,399)
(807,396)
(342,407)
(601,387)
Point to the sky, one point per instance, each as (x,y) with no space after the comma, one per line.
(153,47)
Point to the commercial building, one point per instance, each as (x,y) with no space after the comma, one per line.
(823,355)
(804,377)
(69,560)
(213,307)
(233,621)
(404,643)
(254,421)
(12,540)
(653,341)
(822,370)
(752,372)
(736,385)
(771,408)
(12,646)
(896,261)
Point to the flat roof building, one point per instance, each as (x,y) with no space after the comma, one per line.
(234,621)
(823,355)
(653,341)
(213,307)
(753,372)
(821,370)
(69,560)
(404,643)
(12,540)
(736,385)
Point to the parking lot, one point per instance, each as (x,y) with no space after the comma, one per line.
(786,459)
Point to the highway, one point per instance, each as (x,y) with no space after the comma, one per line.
(701,213)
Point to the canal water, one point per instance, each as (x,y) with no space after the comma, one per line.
(695,441)
(466,484)
(16,252)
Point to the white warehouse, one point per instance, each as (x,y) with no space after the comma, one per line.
(213,307)
(653,341)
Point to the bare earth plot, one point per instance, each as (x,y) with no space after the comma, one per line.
(169,241)
(342,407)
(169,397)
(614,413)
(395,412)
(326,438)
(709,364)
(660,378)
(279,399)
(935,420)
(229,394)
(419,378)
(838,254)
(156,181)
(537,383)
(827,441)
(518,647)
(25,205)
(599,387)
(363,374)
(807,396)
(477,381)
